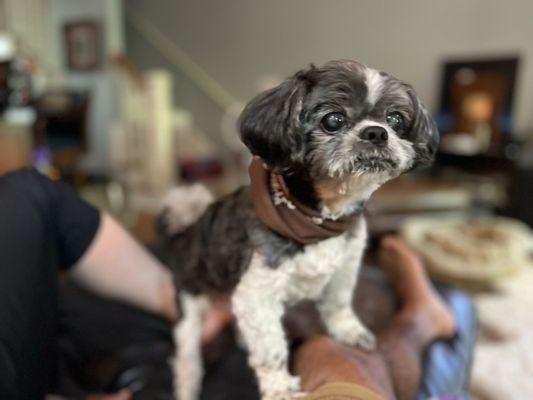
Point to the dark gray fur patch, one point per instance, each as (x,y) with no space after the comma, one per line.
(211,255)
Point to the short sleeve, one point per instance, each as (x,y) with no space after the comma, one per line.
(73,222)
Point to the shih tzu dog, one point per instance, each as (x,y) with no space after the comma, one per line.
(322,141)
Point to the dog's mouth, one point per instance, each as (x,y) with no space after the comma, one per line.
(375,164)
(364,163)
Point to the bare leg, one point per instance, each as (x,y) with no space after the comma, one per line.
(422,319)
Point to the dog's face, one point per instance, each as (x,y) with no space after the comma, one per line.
(339,122)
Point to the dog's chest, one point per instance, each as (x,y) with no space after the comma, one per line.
(310,271)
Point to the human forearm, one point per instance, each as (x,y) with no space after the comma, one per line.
(116,266)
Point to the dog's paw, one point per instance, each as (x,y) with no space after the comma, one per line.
(279,385)
(365,340)
(358,336)
(347,329)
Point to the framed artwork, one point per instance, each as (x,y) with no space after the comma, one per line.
(476,106)
(83,45)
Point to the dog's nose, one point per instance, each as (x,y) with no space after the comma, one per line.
(375,134)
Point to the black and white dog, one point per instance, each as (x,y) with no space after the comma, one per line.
(334,135)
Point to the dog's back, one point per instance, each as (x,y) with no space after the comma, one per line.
(211,255)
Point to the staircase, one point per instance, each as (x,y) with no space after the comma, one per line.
(219,107)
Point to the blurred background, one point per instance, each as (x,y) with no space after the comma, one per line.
(127,99)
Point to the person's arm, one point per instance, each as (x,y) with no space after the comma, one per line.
(116,266)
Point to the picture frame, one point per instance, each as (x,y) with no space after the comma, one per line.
(476,104)
(83,45)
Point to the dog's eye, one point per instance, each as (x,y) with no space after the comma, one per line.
(395,121)
(332,122)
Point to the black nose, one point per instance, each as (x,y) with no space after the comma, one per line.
(375,134)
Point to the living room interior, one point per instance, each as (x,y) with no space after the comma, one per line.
(125,100)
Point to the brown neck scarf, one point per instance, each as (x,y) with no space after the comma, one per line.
(286,215)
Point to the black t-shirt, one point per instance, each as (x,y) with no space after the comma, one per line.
(44,226)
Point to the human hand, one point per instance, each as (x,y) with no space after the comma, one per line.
(216,318)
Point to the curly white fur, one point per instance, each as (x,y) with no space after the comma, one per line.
(184,205)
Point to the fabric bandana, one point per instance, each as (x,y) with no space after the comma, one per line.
(286,215)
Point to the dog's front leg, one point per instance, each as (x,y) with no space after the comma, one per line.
(335,304)
(187,365)
(258,304)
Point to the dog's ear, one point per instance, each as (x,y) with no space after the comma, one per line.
(270,125)
(423,133)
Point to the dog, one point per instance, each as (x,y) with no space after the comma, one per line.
(323,141)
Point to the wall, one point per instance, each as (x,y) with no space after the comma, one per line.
(28,23)
(103,110)
(207,114)
(239,41)
(3,22)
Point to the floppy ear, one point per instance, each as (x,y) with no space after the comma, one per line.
(424,133)
(270,125)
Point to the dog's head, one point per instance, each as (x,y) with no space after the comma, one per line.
(340,121)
